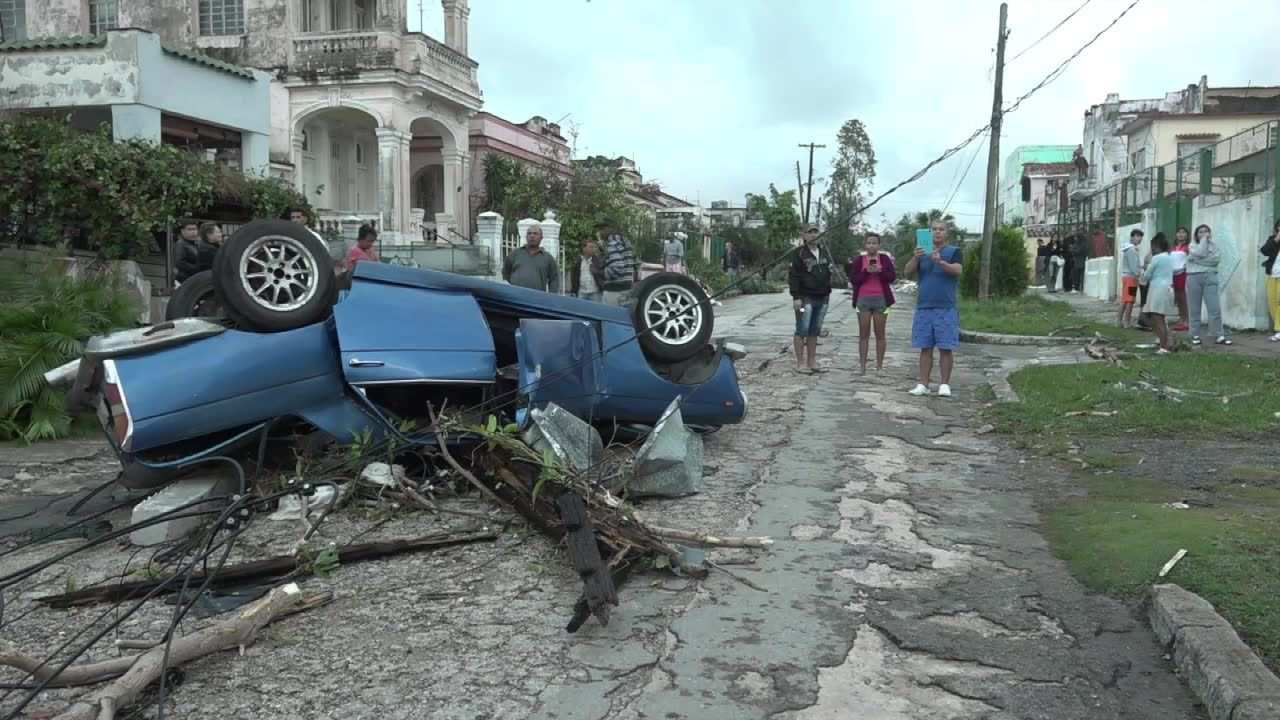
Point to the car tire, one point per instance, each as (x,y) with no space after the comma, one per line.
(680,314)
(195,297)
(268,258)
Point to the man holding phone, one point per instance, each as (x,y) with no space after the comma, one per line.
(810,281)
(937,320)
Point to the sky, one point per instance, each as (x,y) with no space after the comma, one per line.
(712,97)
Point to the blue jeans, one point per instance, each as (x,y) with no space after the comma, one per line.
(809,318)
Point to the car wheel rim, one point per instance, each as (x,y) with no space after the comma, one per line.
(673,314)
(278,273)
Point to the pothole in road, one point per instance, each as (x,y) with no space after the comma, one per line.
(894,408)
(973,622)
(882,463)
(879,681)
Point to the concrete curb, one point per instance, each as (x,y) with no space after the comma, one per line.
(1222,671)
(997,339)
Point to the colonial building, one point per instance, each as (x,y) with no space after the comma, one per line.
(1044,191)
(1011,178)
(360,107)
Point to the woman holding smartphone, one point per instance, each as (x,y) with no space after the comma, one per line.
(871,276)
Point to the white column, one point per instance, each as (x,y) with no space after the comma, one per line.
(404,181)
(551,241)
(489,236)
(390,157)
(453,166)
(296,156)
(255,153)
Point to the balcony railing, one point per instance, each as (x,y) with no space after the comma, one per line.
(350,51)
(343,51)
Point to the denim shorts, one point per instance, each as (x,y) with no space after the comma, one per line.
(809,319)
(935,328)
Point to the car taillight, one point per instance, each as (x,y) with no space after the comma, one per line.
(117,405)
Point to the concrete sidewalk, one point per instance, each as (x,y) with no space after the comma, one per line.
(1248,342)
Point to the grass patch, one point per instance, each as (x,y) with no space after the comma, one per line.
(1254,474)
(1108,460)
(1031,315)
(1049,392)
(1118,539)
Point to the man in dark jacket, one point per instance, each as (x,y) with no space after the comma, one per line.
(186,251)
(731,262)
(810,282)
(586,278)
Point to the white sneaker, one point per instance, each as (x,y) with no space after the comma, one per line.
(1276,337)
(944,390)
(919,389)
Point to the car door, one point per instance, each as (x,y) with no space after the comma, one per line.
(559,363)
(390,334)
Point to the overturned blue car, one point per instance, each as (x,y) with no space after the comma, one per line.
(297,357)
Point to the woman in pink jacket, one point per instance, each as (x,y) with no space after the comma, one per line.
(871,276)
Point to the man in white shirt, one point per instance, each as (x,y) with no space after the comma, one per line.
(673,253)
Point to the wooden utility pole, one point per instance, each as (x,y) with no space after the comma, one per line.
(800,187)
(808,197)
(993,162)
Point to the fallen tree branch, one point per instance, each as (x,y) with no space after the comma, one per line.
(235,631)
(1055,331)
(736,576)
(269,568)
(1091,413)
(700,538)
(86,674)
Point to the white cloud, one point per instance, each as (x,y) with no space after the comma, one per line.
(712,96)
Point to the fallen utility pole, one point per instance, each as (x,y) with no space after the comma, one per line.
(807,196)
(993,162)
(269,568)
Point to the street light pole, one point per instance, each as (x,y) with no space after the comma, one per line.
(993,163)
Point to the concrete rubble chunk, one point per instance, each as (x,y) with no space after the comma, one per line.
(669,464)
(290,507)
(1262,709)
(1222,671)
(571,439)
(192,489)
(1173,608)
(380,473)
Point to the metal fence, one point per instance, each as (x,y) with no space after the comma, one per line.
(1241,165)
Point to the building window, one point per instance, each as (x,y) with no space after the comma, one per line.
(13,20)
(221,17)
(1138,160)
(306,142)
(359,154)
(102,16)
(361,19)
(1189,153)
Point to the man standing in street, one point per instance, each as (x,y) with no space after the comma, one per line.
(531,266)
(937,320)
(587,277)
(1130,271)
(621,270)
(1079,258)
(673,254)
(810,281)
(731,262)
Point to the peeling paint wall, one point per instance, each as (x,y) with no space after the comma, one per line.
(173,20)
(265,44)
(54,18)
(72,78)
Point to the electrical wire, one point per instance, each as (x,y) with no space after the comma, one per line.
(1051,31)
(976,151)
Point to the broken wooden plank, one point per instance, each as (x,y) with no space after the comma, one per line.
(262,569)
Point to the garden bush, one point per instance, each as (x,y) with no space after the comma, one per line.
(45,319)
(57,183)
(1010,265)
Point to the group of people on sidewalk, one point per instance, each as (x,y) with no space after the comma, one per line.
(598,276)
(935,325)
(1065,259)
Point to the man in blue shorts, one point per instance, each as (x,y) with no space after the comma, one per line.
(937,320)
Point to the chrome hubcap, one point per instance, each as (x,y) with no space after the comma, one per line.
(674,314)
(279,273)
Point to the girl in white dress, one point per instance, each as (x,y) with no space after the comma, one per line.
(1158,277)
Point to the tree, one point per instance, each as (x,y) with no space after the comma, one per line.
(853,172)
(903,232)
(781,219)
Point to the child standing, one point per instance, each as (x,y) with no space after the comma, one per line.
(1181,243)
(1130,269)
(1158,277)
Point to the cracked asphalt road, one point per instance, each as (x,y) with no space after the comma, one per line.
(909,581)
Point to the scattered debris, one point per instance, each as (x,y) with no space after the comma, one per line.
(1091,413)
(389,476)
(988,428)
(259,569)
(669,464)
(1055,331)
(132,674)
(1176,506)
(1098,350)
(184,495)
(291,507)
(569,438)
(1172,561)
